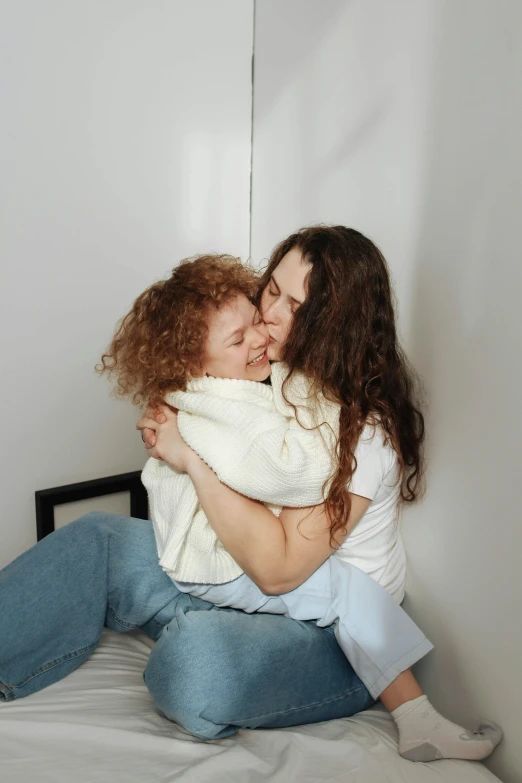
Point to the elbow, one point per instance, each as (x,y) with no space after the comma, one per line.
(276,586)
(267,586)
(267,583)
(272,588)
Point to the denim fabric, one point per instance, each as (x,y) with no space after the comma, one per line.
(374,632)
(213,670)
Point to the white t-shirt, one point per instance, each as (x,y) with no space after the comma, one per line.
(375,545)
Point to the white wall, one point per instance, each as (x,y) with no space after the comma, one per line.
(404,120)
(124,146)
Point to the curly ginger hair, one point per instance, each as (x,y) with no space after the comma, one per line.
(160,343)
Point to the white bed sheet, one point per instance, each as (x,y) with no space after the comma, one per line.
(100,724)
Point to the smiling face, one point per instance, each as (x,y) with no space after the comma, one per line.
(284,293)
(237,343)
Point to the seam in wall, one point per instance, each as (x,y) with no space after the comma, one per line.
(252,130)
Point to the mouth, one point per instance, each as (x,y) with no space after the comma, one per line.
(259,360)
(271,340)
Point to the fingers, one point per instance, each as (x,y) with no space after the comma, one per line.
(156,414)
(149,438)
(146,423)
(150,423)
(148,431)
(161,415)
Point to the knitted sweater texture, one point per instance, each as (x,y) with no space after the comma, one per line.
(257,444)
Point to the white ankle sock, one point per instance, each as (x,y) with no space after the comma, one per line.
(424,735)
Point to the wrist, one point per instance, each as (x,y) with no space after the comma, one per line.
(192,461)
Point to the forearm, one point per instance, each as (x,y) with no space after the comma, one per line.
(250,532)
(278,554)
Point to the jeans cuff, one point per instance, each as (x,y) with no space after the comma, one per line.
(6,693)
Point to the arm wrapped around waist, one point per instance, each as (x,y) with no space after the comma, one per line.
(253,448)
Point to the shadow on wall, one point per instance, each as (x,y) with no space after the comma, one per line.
(339,118)
(291,45)
(464,541)
(309,116)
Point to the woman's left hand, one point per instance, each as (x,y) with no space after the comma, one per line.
(170,446)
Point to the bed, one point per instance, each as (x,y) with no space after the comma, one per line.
(100,724)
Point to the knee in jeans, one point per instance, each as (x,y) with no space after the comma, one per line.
(192,674)
(101,523)
(89,521)
(93,533)
(100,518)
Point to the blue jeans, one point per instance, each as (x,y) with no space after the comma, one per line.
(377,636)
(213,670)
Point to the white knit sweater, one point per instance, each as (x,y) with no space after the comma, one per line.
(248,434)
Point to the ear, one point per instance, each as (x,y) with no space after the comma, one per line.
(196,371)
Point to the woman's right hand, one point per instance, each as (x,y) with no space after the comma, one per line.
(147,435)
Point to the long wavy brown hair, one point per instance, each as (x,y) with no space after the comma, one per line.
(344,338)
(160,343)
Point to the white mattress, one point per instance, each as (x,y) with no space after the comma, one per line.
(99,724)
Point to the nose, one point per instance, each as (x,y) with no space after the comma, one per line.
(261,336)
(270,313)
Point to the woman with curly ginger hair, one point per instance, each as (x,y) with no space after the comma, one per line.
(158,344)
(326,303)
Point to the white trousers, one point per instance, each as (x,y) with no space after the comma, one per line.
(377,636)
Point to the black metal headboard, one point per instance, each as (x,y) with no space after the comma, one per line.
(47,499)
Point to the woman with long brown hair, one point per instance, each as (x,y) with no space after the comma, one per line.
(327,302)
